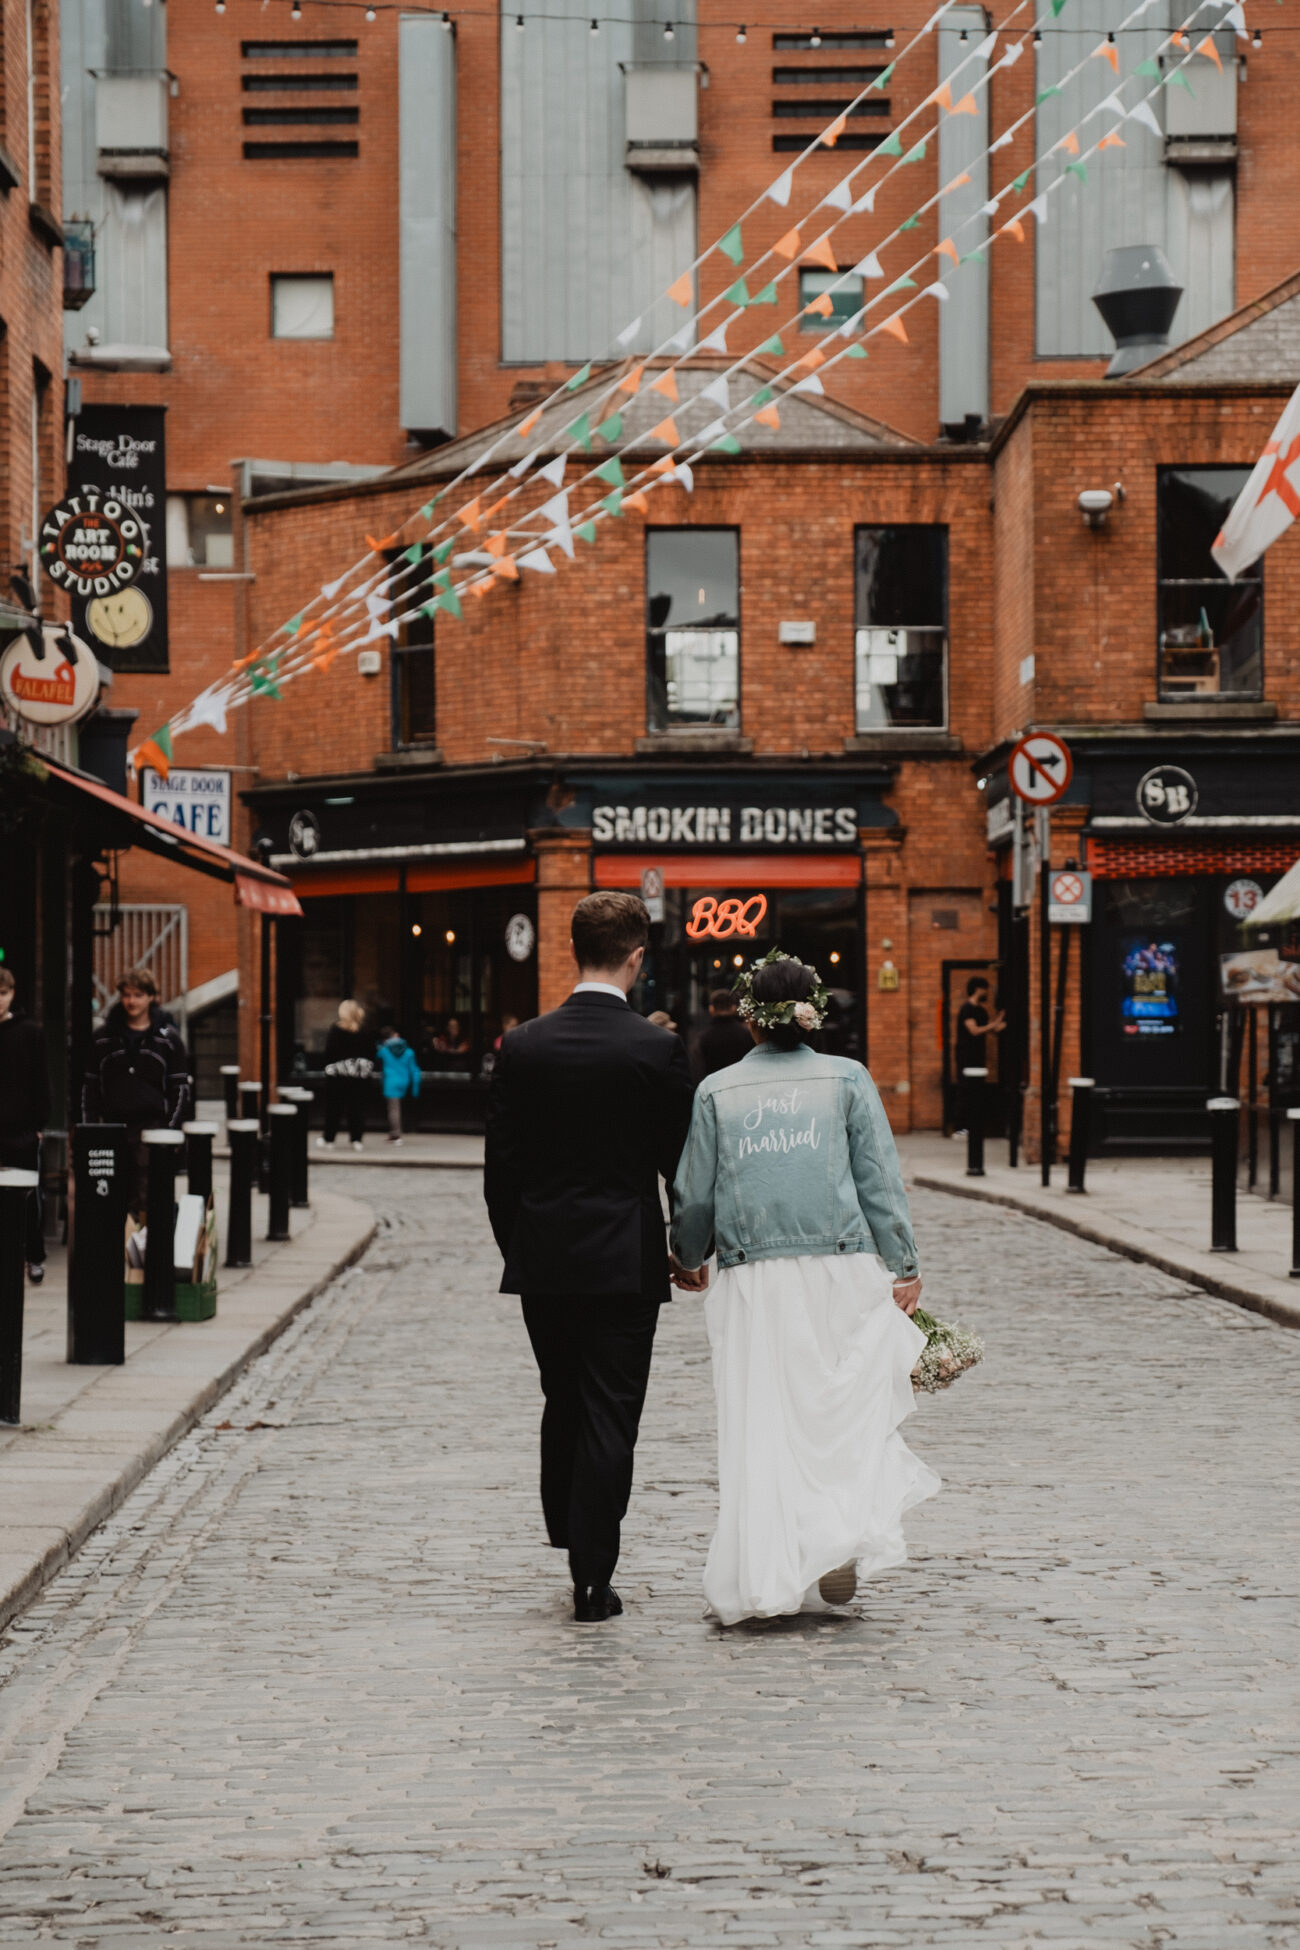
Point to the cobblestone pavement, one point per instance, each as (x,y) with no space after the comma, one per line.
(316,1683)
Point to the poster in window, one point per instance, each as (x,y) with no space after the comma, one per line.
(120,449)
(1150,988)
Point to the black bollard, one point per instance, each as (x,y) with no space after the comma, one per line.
(284,1118)
(1225,1113)
(243,1169)
(230,1088)
(304,1100)
(16,1187)
(96,1303)
(1293,1117)
(1081,1089)
(250,1101)
(158,1301)
(974,1081)
(198,1158)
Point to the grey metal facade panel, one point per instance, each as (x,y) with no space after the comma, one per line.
(132,250)
(585,246)
(427,223)
(1201,246)
(963,144)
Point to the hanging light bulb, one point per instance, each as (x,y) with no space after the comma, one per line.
(1257,39)
(519,23)
(815,38)
(370,13)
(889,38)
(964,37)
(1038,39)
(595,27)
(221,6)
(295,11)
(446,23)
(741,35)
(668,30)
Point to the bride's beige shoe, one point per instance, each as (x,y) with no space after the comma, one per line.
(838,1587)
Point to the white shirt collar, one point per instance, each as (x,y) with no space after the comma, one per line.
(600,988)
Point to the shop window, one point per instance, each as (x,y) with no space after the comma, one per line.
(199,532)
(1211,631)
(846,299)
(901,636)
(692,627)
(302,308)
(414,694)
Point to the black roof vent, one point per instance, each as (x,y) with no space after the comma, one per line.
(1137,297)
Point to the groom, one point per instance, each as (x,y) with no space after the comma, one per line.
(590,1104)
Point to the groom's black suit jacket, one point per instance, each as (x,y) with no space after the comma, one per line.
(589,1104)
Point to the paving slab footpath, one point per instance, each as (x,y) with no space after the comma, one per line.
(1152,1209)
(89,1434)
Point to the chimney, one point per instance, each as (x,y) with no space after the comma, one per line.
(1137,297)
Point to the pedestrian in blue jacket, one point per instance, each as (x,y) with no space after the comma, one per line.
(401,1079)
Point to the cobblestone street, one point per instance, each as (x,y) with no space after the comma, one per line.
(316,1683)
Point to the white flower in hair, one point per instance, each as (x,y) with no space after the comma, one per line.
(806,1016)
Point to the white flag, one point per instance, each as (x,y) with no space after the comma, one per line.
(538,559)
(780,190)
(1144,113)
(1270,500)
(841,197)
(554,470)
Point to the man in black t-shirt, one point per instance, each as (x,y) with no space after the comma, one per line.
(725,1040)
(970,1050)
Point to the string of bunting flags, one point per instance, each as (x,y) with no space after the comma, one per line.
(359,606)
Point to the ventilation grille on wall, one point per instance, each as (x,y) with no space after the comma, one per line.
(295,112)
(813,92)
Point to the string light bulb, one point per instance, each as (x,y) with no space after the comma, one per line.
(221,6)
(295,11)
(446,23)
(519,23)
(815,38)
(741,36)
(668,31)
(964,37)
(889,38)
(595,27)
(370,13)
(1257,39)
(1038,39)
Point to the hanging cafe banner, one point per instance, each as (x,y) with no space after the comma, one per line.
(365,603)
(105,541)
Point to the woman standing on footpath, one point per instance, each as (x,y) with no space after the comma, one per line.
(791,1174)
(349,1066)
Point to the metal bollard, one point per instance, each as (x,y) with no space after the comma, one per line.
(284,1118)
(243,1169)
(16,1187)
(1293,1118)
(1225,1113)
(1081,1089)
(158,1301)
(250,1101)
(975,1081)
(230,1089)
(96,1303)
(304,1099)
(198,1158)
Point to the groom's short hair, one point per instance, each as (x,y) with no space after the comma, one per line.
(607,927)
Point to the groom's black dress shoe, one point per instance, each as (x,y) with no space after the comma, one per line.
(591,1603)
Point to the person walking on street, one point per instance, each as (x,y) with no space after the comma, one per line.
(24,1109)
(725,1040)
(138,1074)
(349,1066)
(970,1044)
(589,1104)
(401,1078)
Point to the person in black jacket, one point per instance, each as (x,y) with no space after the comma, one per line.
(349,1068)
(138,1074)
(24,1108)
(725,1040)
(589,1107)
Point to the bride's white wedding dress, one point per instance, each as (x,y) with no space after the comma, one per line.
(811,1366)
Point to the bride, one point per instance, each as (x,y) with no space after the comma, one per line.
(791,1175)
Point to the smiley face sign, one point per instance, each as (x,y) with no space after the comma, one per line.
(92,543)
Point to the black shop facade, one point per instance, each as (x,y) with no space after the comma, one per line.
(441,901)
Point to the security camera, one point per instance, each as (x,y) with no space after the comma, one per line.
(1094,505)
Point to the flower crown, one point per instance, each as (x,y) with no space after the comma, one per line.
(810,1013)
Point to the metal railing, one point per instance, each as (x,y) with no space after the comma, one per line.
(137,935)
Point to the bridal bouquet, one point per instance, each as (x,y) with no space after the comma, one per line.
(949,1350)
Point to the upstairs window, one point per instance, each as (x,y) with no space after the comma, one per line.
(414,692)
(846,300)
(302,308)
(692,627)
(901,636)
(199,531)
(1210,630)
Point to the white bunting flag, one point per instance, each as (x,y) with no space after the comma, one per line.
(809,384)
(937,290)
(683,474)
(716,390)
(1012,55)
(841,197)
(985,49)
(1113,103)
(717,340)
(1270,500)
(209,707)
(714,431)
(865,202)
(1236,19)
(628,333)
(868,267)
(990,209)
(537,559)
(780,190)
(523,466)
(377,607)
(329,590)
(554,470)
(1038,209)
(1003,142)
(1145,114)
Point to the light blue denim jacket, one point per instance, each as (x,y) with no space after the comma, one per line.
(790,1152)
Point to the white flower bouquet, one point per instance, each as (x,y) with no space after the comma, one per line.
(949,1350)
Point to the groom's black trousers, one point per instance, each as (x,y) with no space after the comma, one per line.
(593,1352)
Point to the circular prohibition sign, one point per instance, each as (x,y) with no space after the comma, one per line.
(1040,768)
(1067,889)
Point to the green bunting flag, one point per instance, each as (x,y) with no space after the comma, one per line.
(762,396)
(978,256)
(293,626)
(449,603)
(738,294)
(882,79)
(413,554)
(910,223)
(1149,68)
(586,531)
(581,431)
(611,470)
(442,551)
(578,379)
(263,676)
(613,503)
(727,445)
(426,609)
(900,284)
(612,428)
(767,296)
(857,351)
(917,154)
(442,578)
(1077,169)
(1022,179)
(1057,6)
(1043,95)
(163,741)
(891,146)
(1179,80)
(731,245)
(426,512)
(774,346)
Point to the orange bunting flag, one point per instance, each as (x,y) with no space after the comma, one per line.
(469,516)
(631,380)
(942,95)
(326,649)
(506,567)
(896,329)
(480,588)
(1108,52)
(377,548)
(811,360)
(1112,141)
(496,545)
(956,182)
(242,663)
(496,506)
(832,135)
(787,246)
(667,385)
(1070,143)
(966,106)
(682,292)
(1180,39)
(664,465)
(525,427)
(822,306)
(667,432)
(767,416)
(1210,51)
(821,253)
(948,249)
(151,753)
(1016,229)
(637,501)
